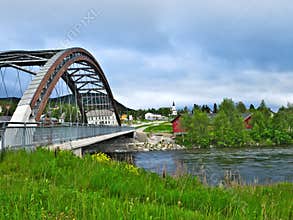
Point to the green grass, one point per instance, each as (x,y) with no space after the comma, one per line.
(39,185)
(161,128)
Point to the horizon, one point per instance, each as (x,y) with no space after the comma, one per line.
(181,107)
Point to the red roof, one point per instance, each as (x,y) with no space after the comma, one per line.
(178,116)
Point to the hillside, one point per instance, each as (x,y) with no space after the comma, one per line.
(68,99)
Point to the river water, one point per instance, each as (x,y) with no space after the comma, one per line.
(249,165)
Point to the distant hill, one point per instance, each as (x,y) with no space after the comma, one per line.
(10,99)
(70,99)
(122,108)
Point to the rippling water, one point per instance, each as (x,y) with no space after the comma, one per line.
(253,165)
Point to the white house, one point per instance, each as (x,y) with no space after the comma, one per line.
(101,117)
(152,117)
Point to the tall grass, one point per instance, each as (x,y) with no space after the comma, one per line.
(39,185)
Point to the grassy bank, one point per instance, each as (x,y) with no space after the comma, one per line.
(161,128)
(39,185)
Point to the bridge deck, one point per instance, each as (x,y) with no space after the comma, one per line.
(77,145)
(65,137)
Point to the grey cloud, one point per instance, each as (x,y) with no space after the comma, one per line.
(190,51)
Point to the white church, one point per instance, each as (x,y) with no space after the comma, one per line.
(173,110)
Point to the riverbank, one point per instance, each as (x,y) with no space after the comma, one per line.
(145,142)
(155,136)
(61,186)
(154,141)
(140,143)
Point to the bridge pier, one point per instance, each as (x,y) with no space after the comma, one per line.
(22,114)
(77,152)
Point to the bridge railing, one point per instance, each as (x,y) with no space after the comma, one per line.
(22,135)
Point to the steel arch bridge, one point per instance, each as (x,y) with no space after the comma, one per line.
(78,69)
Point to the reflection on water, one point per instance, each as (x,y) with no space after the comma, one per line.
(254,165)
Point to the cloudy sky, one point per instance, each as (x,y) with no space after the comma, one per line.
(154,52)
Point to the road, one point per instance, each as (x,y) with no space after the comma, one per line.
(148,124)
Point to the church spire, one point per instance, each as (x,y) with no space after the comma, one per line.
(173,109)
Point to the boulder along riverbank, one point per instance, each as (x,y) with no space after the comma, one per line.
(142,142)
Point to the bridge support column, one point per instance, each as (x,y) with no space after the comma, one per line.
(22,114)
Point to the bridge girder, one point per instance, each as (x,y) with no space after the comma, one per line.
(56,64)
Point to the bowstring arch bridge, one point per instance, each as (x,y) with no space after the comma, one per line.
(66,87)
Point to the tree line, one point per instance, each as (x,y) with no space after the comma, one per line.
(225,126)
(140,113)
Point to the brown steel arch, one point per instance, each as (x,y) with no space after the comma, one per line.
(56,65)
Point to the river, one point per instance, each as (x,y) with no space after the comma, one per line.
(249,165)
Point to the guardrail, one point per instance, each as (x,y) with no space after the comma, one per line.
(22,135)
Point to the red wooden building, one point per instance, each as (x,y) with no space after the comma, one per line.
(247,120)
(176,125)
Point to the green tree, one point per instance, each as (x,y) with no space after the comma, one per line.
(8,106)
(164,111)
(262,106)
(264,109)
(196,107)
(205,108)
(282,123)
(241,107)
(261,131)
(228,126)
(251,108)
(183,111)
(215,110)
(197,127)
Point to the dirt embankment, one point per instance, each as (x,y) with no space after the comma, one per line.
(157,141)
(142,141)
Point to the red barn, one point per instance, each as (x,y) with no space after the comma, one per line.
(176,125)
(247,120)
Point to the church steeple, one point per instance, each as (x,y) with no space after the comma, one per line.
(173,109)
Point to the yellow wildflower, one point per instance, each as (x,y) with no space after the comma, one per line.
(101,157)
(132,169)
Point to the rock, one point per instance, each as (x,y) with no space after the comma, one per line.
(141,136)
